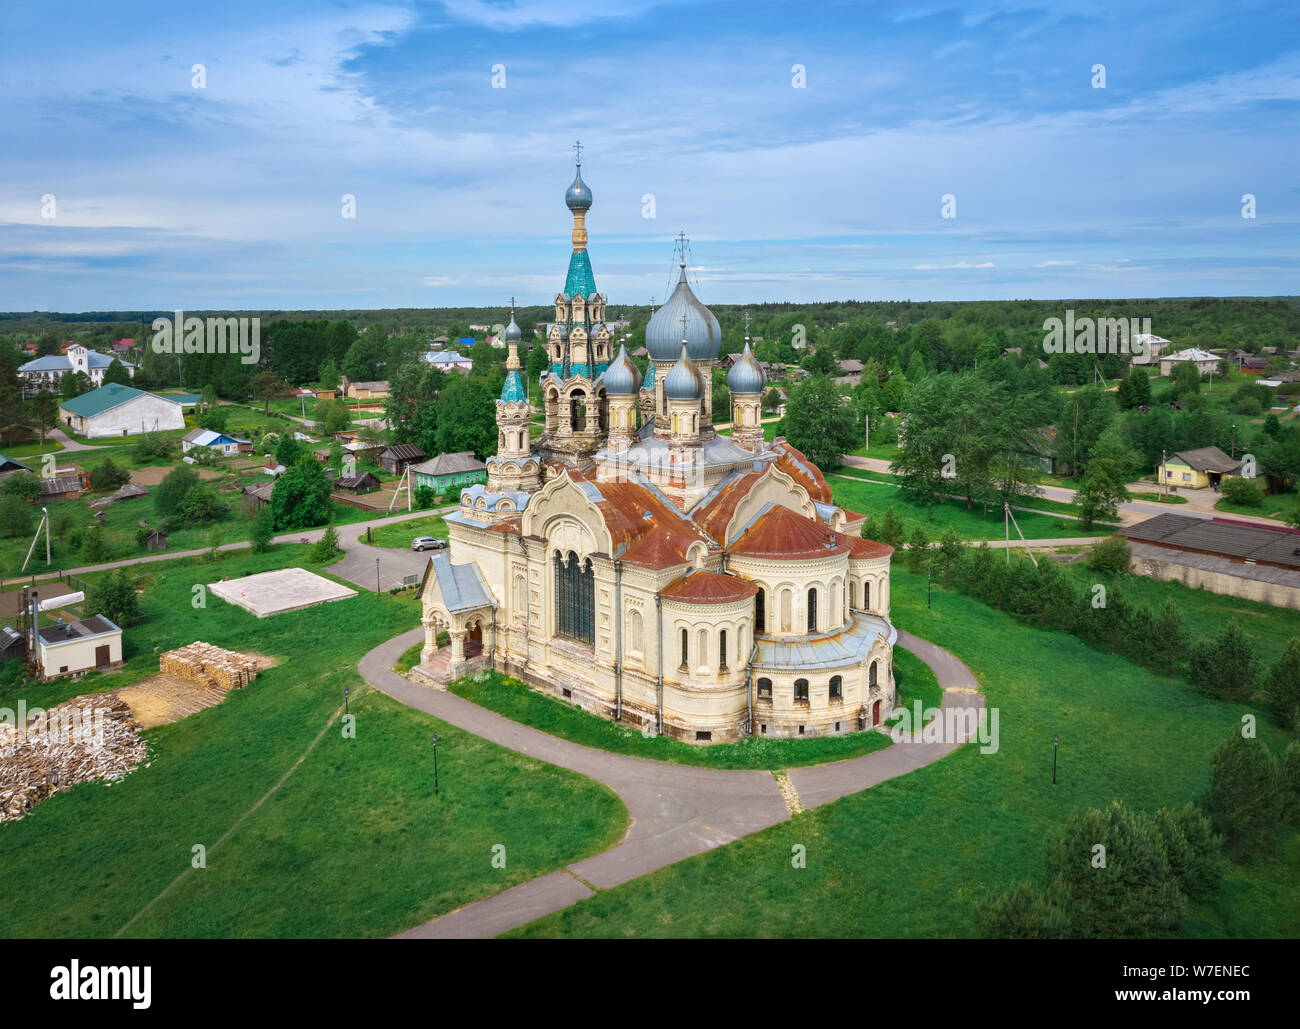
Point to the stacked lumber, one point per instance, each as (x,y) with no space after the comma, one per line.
(87,739)
(210,666)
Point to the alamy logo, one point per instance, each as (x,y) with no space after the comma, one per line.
(102,982)
(181,335)
(1096,335)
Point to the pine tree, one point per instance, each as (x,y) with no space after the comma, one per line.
(917,551)
(1282,687)
(1243,800)
(891,528)
(1167,635)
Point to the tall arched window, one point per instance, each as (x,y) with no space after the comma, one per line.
(872,675)
(578,411)
(685,655)
(837,688)
(866,595)
(801,691)
(760,611)
(702,647)
(575,598)
(722,650)
(787,616)
(812,609)
(634,632)
(853,595)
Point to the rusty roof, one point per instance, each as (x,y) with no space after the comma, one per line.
(657,549)
(871,548)
(803,471)
(709,588)
(786,535)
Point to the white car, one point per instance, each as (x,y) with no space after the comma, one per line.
(428,543)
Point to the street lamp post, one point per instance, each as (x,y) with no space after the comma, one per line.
(434,737)
(377,590)
(1056,739)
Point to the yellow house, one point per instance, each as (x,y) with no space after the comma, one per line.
(1196,469)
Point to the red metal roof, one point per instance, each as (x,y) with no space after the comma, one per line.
(803,471)
(709,588)
(871,548)
(783,534)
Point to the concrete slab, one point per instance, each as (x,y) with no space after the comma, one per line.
(273,593)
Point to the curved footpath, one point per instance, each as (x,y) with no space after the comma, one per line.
(675,810)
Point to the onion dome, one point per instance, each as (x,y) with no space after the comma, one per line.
(578,196)
(663,334)
(512,333)
(683,380)
(746,375)
(622,378)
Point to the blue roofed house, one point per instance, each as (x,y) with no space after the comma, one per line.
(117,410)
(218,441)
(449,361)
(46,373)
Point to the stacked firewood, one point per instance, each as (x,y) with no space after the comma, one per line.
(87,739)
(215,668)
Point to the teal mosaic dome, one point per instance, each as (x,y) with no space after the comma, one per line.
(513,391)
(581,282)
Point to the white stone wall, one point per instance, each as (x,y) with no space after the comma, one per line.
(140,414)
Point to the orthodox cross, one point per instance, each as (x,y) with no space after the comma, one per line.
(577,152)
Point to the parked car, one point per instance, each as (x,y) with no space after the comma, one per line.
(428,543)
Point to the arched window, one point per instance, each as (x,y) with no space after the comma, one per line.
(764,689)
(787,604)
(812,609)
(872,675)
(575,598)
(685,656)
(760,611)
(801,691)
(520,594)
(578,411)
(866,595)
(853,595)
(722,650)
(837,688)
(702,643)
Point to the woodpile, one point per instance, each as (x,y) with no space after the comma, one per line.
(87,739)
(210,666)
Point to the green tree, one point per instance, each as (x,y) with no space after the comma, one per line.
(263,531)
(45,412)
(113,595)
(1282,686)
(201,505)
(94,547)
(950,548)
(21,484)
(170,494)
(1225,667)
(1111,555)
(918,552)
(116,373)
(1243,800)
(819,423)
(107,475)
(327,547)
(16,515)
(891,529)
(300,498)
(1168,635)
(215,418)
(74,384)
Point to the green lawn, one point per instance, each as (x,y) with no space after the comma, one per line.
(917,856)
(519,702)
(1275,505)
(353,843)
(1032,503)
(1159,498)
(399,535)
(873,499)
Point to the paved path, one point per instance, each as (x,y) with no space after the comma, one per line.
(675,811)
(67,442)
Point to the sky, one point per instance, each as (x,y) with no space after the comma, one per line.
(805,149)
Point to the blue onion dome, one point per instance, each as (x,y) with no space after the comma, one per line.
(622,378)
(746,375)
(663,334)
(683,381)
(578,196)
(513,335)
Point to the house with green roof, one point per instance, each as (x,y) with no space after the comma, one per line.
(117,410)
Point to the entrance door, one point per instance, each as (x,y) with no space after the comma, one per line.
(875,713)
(101,656)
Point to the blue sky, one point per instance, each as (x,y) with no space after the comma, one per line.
(228,196)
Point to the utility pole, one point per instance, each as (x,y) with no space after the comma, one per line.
(1234,441)
(1161,475)
(868,429)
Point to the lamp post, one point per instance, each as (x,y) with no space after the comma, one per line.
(434,737)
(929,576)
(345,701)
(1056,738)
(377,590)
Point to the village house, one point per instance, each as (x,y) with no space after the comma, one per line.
(219,441)
(449,471)
(395,459)
(1196,469)
(117,410)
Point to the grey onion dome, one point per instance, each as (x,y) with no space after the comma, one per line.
(512,333)
(746,375)
(683,380)
(578,196)
(622,378)
(663,334)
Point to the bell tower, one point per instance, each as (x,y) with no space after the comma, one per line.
(513,468)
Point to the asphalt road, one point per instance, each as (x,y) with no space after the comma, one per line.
(676,811)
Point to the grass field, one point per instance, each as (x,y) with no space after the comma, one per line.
(873,499)
(1275,505)
(519,702)
(352,843)
(1031,503)
(399,535)
(918,855)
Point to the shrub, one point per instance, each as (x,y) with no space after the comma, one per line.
(201,505)
(16,516)
(327,547)
(424,496)
(263,530)
(1226,667)
(153,446)
(95,548)
(24,485)
(1282,686)
(1110,555)
(107,475)
(1245,492)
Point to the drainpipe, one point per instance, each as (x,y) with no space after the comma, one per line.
(492,651)
(659,702)
(749,684)
(618,641)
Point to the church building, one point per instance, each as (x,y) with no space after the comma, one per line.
(637,562)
